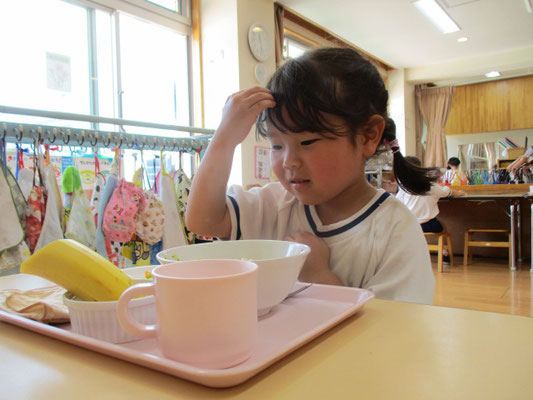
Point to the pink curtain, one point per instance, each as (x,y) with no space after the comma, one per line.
(420,141)
(435,105)
(279,12)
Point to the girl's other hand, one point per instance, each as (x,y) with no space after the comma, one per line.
(316,266)
(240,113)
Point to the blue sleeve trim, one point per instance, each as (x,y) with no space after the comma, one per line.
(237,215)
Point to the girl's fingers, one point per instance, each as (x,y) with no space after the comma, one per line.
(258,97)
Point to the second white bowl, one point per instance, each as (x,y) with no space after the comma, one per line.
(279,263)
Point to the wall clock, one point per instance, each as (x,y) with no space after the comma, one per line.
(260,73)
(259,42)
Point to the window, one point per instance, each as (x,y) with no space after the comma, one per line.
(293,48)
(114,58)
(294,44)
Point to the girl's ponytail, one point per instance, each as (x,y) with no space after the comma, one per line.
(412,178)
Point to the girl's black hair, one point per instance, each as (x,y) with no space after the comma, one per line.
(340,82)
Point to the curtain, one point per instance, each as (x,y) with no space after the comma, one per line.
(435,105)
(279,12)
(419,127)
(490,150)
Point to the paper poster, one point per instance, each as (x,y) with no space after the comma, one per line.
(58,72)
(84,164)
(262,163)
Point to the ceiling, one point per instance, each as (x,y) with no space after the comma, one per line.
(499,32)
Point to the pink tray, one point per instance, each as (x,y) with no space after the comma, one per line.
(287,327)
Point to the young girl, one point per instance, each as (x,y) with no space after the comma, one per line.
(324,114)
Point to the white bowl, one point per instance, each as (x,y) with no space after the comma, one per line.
(138,273)
(279,263)
(98,319)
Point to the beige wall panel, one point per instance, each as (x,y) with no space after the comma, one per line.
(493,106)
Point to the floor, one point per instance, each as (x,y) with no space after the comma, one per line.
(487,284)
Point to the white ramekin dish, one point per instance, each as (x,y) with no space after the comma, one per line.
(98,319)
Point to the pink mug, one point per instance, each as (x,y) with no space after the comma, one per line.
(206,311)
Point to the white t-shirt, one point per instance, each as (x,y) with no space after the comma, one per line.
(380,248)
(424,207)
(450,175)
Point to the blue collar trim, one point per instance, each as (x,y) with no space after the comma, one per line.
(349,225)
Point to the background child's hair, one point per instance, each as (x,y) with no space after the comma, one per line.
(454,162)
(340,82)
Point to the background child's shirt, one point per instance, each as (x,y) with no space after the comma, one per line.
(380,248)
(425,207)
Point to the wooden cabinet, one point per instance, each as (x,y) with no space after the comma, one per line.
(492,106)
(504,162)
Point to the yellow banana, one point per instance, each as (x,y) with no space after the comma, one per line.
(80,270)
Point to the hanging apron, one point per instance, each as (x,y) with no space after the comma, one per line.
(13,249)
(99,183)
(52,229)
(25,181)
(182,184)
(80,225)
(35,210)
(18,198)
(104,246)
(173,230)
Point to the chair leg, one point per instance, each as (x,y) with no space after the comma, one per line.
(465,253)
(510,253)
(450,250)
(441,246)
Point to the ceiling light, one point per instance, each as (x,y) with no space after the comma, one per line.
(434,12)
(462,39)
(492,74)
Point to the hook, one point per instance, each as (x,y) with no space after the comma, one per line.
(131,143)
(4,129)
(164,144)
(82,138)
(173,145)
(155,144)
(21,131)
(144,143)
(95,140)
(39,137)
(121,140)
(106,144)
(67,135)
(52,141)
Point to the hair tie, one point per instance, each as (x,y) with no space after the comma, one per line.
(392,145)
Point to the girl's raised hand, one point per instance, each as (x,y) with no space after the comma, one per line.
(240,112)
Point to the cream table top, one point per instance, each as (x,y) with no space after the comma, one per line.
(388,350)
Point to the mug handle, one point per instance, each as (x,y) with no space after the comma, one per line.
(130,325)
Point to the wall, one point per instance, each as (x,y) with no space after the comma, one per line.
(492,106)
(250,12)
(228,66)
(402,110)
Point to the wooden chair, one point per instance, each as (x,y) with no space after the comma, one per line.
(440,246)
(469,242)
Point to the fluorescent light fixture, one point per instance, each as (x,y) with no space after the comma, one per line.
(462,39)
(492,74)
(434,12)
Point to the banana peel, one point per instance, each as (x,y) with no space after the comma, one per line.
(80,270)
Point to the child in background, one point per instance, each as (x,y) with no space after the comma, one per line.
(452,172)
(520,161)
(324,114)
(425,208)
